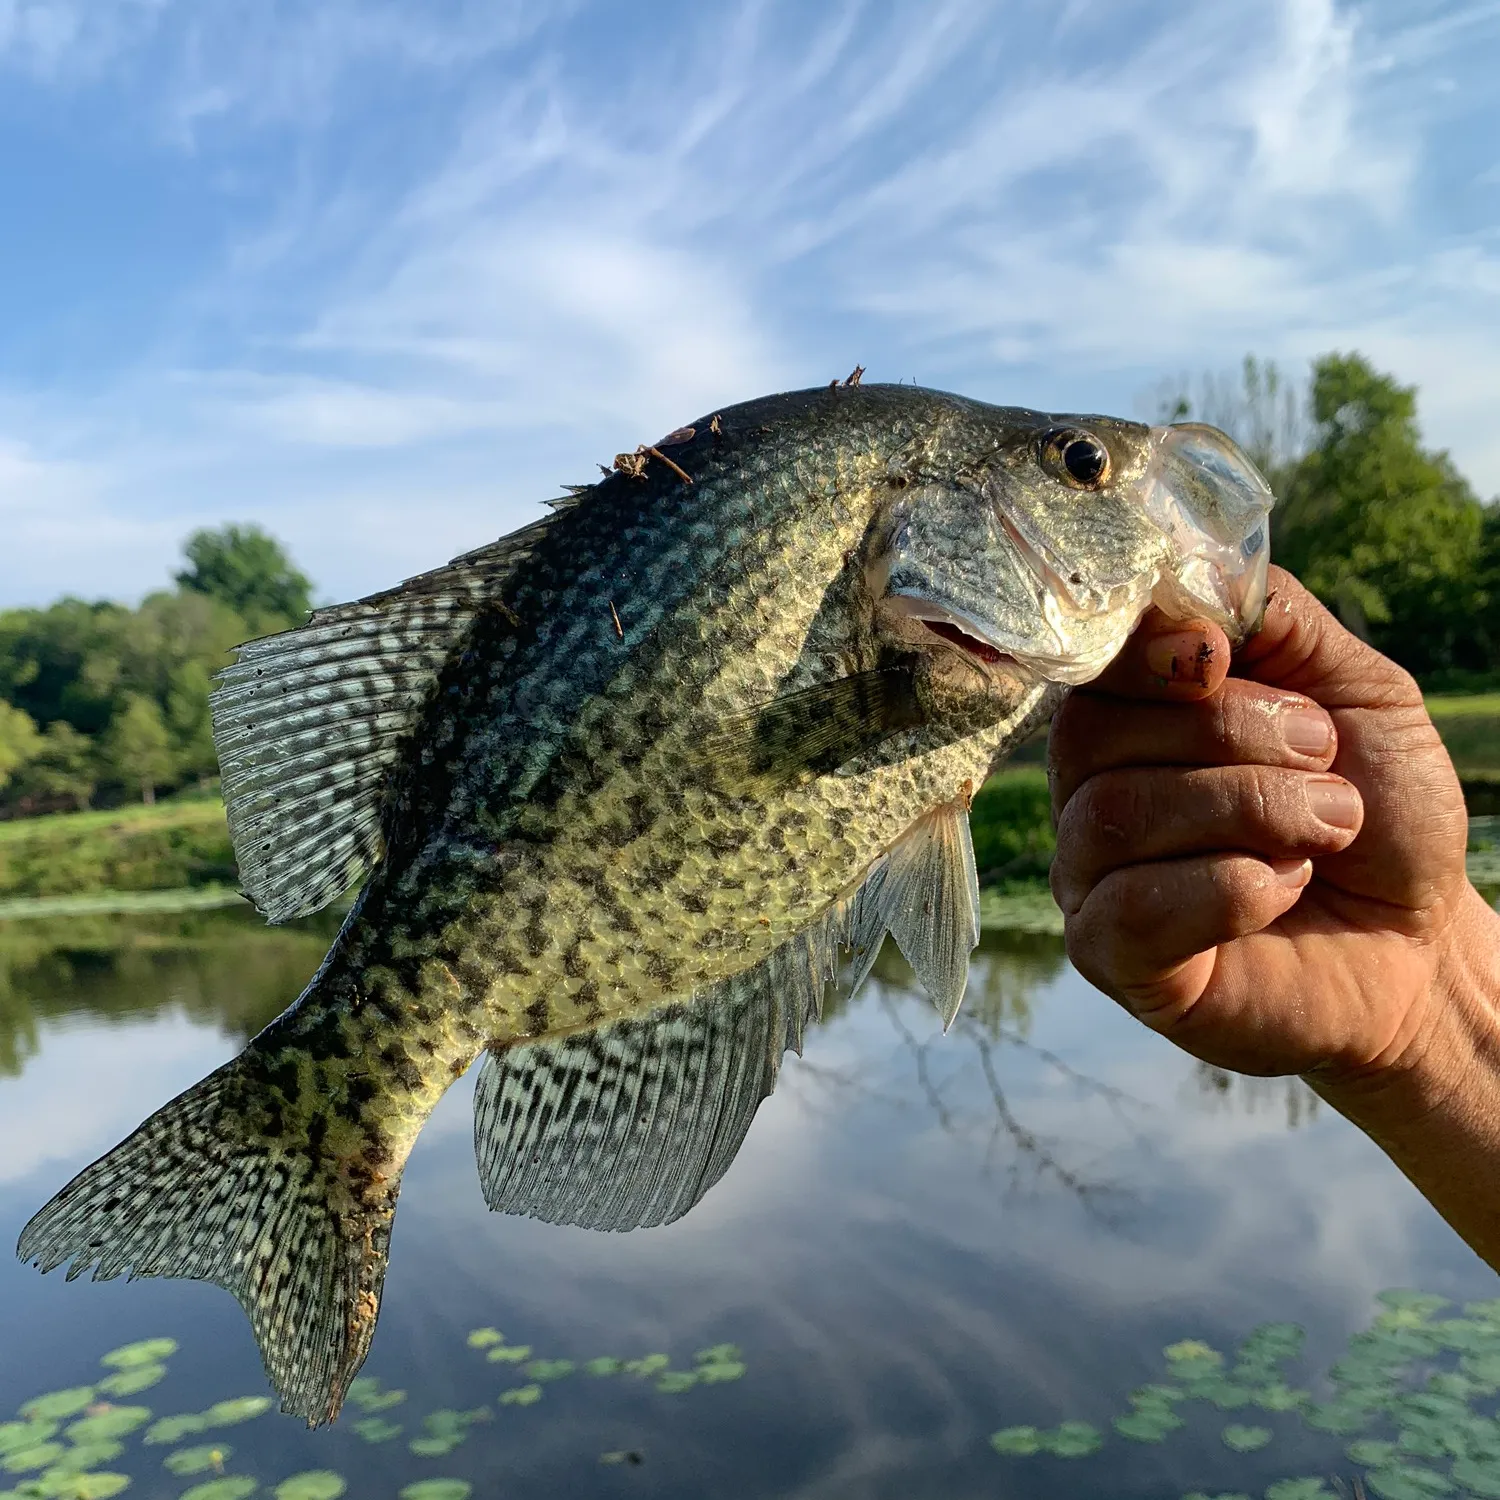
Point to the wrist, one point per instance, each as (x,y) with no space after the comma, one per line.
(1443,1064)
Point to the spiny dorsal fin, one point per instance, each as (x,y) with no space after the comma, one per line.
(629,1124)
(817,729)
(198,1191)
(310,723)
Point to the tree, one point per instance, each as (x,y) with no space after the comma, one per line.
(1383,531)
(19,741)
(1263,411)
(248,570)
(62,770)
(137,746)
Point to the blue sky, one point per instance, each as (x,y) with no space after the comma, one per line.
(383,274)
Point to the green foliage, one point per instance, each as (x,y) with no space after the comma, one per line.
(1384,531)
(198,1460)
(169,845)
(138,745)
(314,1484)
(62,772)
(144,1352)
(249,571)
(20,741)
(1011,823)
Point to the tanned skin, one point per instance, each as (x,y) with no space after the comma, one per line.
(1263,860)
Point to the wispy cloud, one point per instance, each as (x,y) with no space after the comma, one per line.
(589,231)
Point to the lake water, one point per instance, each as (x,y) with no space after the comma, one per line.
(925,1239)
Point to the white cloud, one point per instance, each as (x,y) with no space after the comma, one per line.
(580,251)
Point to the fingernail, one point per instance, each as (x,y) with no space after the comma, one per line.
(1180,656)
(1334,802)
(1308,731)
(1292,872)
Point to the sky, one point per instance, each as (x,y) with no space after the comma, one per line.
(384,275)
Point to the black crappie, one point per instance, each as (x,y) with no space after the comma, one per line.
(628,783)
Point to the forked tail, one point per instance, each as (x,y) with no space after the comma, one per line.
(214,1187)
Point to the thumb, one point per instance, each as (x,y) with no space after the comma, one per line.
(1302,648)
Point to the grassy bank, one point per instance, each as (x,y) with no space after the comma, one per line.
(173,845)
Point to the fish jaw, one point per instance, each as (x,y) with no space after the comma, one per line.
(1206,495)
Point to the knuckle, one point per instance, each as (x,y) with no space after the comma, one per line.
(1114,808)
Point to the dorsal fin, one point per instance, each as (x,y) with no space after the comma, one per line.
(629,1124)
(310,723)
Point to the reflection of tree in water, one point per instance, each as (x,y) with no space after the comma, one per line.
(221,967)
(1005,974)
(1218,1089)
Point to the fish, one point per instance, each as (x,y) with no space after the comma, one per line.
(627,790)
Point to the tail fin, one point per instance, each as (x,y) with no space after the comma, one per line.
(211,1188)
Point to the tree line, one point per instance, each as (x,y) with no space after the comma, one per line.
(101,703)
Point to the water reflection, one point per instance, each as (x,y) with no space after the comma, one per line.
(897,1297)
(220,967)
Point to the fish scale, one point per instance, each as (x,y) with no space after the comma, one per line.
(628,784)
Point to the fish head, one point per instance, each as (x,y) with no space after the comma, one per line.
(1037,543)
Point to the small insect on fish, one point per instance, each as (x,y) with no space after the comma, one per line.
(620,852)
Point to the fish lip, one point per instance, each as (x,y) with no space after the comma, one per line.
(987,649)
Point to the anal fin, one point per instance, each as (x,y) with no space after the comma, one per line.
(629,1124)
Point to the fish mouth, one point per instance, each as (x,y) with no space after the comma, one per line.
(956,635)
(954,627)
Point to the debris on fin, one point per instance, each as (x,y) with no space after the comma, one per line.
(816,730)
(925,893)
(310,723)
(630,1124)
(197,1192)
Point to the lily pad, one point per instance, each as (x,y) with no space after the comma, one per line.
(15,1436)
(145,1352)
(113,1422)
(133,1381)
(549,1369)
(230,1487)
(605,1365)
(719,1354)
(1020,1442)
(435,1447)
(521,1395)
(377,1429)
(313,1484)
(647,1365)
(198,1460)
(509,1354)
(1148,1425)
(240,1409)
(1245,1439)
(1073,1440)
(86,1456)
(367,1394)
(174,1429)
(1407,1482)
(1299,1489)
(58,1404)
(25,1460)
(1372,1453)
(96,1486)
(438,1489)
(1478,1476)
(720,1371)
(672,1382)
(485,1338)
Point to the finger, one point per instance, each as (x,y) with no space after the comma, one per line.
(1245,723)
(1149,813)
(1165,658)
(1301,647)
(1148,935)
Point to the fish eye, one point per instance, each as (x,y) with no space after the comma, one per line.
(1077,458)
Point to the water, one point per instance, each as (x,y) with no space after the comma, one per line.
(925,1239)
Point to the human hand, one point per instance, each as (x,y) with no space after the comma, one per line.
(1267,868)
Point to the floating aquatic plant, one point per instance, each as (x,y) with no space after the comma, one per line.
(1415,1392)
(56,1447)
